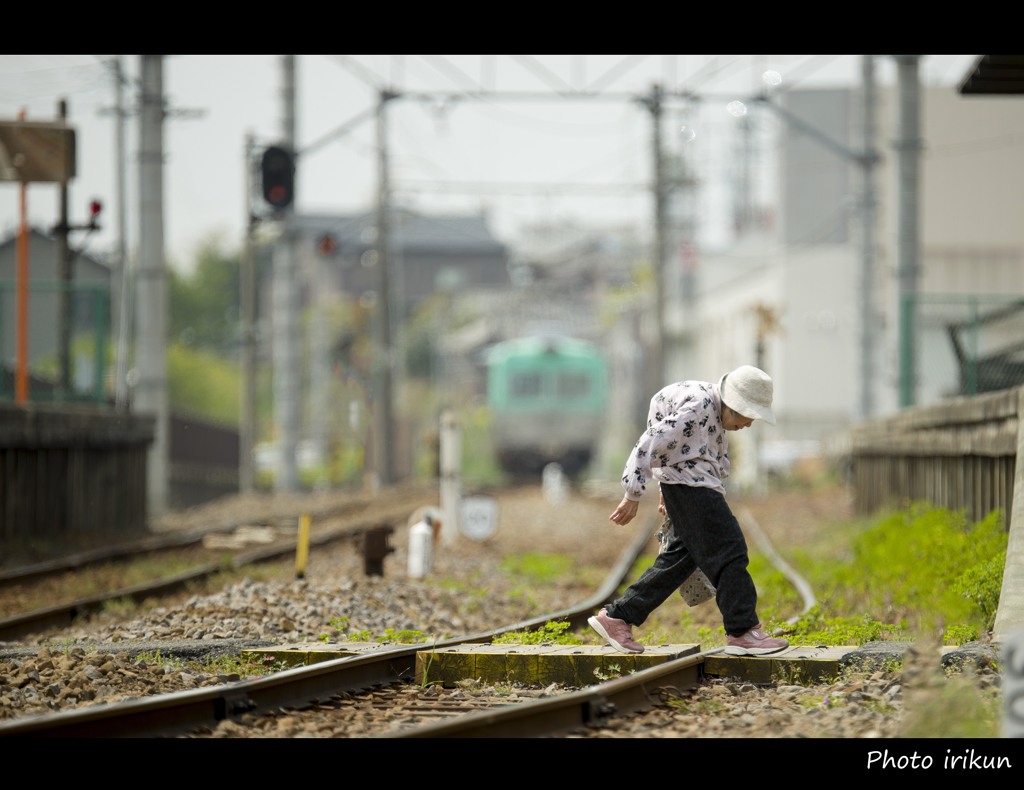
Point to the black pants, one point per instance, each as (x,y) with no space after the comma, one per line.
(707,535)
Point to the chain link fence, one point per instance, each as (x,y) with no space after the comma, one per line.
(963,345)
(88,336)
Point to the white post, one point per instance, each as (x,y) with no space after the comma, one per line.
(450,487)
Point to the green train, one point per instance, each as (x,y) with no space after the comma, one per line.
(548,398)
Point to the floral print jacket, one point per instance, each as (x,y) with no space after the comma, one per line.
(685,442)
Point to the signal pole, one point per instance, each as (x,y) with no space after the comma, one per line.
(382,438)
(908,151)
(285,351)
(121,315)
(656,371)
(247,299)
(151,390)
(66,277)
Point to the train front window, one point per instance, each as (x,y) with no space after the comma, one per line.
(573,385)
(524,385)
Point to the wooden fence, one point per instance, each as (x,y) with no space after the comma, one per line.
(71,470)
(960,454)
(79,469)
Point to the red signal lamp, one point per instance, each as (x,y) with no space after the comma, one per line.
(327,244)
(95,209)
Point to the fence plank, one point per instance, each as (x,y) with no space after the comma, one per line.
(960,454)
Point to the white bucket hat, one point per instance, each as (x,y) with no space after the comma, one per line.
(748,390)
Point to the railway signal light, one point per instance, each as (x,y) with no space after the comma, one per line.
(277,170)
(326,245)
(95,209)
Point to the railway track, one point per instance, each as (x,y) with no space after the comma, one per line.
(199,553)
(389,670)
(376,696)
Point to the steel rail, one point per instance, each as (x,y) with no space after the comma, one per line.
(156,542)
(64,614)
(181,712)
(594,705)
(590,706)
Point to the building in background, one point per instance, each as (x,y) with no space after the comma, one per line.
(789,295)
(90,315)
(427,254)
(340,272)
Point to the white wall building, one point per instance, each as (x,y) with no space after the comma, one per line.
(807,267)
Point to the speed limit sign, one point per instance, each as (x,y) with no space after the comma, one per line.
(478,517)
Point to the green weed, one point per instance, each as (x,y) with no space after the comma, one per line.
(695,705)
(902,573)
(120,606)
(242,666)
(551,632)
(403,637)
(538,568)
(610,672)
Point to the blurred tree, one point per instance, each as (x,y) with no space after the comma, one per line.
(204,385)
(204,304)
(204,331)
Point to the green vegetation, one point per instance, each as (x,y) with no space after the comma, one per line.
(235,667)
(907,574)
(537,568)
(551,633)
(340,632)
(121,606)
(202,384)
(901,575)
(403,637)
(479,462)
(611,672)
(920,574)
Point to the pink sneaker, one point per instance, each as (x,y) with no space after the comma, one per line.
(617,633)
(754,642)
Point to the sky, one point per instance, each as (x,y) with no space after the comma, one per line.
(511,135)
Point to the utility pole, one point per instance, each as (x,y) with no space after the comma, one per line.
(151,389)
(121,317)
(247,300)
(286,342)
(319,359)
(656,370)
(65,276)
(868,206)
(908,151)
(383,442)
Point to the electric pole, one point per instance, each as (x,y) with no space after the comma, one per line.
(151,389)
(286,330)
(385,358)
(868,203)
(656,370)
(66,277)
(247,300)
(908,151)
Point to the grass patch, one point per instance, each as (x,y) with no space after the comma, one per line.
(907,573)
(233,666)
(538,568)
(551,633)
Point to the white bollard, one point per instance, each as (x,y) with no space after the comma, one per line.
(554,484)
(421,548)
(451,485)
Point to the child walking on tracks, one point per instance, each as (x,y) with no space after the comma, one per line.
(686,450)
